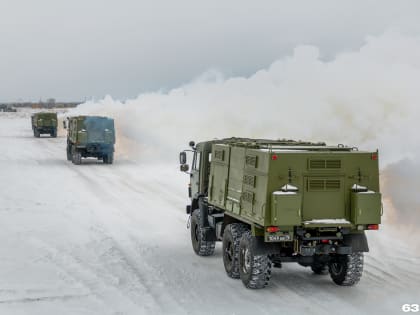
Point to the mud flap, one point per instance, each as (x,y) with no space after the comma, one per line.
(358,242)
(209,234)
(260,247)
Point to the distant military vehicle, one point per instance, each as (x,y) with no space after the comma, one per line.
(7,108)
(90,136)
(43,123)
(272,202)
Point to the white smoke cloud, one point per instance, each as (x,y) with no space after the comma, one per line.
(366,98)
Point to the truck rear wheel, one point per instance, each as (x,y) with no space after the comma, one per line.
(231,239)
(36,133)
(54,133)
(200,246)
(347,270)
(77,158)
(254,269)
(108,158)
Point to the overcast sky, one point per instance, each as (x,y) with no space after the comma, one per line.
(77,49)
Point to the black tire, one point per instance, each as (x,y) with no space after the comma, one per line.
(54,133)
(231,239)
(255,270)
(320,268)
(37,133)
(68,151)
(346,270)
(77,158)
(109,158)
(201,247)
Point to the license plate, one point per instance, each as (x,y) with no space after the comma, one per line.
(277,238)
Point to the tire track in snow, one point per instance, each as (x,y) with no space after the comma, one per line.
(44,298)
(110,286)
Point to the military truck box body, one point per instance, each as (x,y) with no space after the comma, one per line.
(91,136)
(300,186)
(271,202)
(44,123)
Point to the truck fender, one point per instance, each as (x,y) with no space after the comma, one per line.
(204,212)
(209,234)
(358,242)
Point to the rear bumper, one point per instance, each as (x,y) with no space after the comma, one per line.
(45,129)
(325,249)
(95,149)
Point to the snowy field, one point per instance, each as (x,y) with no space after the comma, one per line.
(112,239)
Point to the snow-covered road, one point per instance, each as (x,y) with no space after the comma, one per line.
(112,239)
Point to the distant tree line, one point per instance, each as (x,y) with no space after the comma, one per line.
(49,103)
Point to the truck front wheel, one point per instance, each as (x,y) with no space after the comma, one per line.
(200,246)
(68,151)
(231,239)
(254,269)
(37,133)
(347,270)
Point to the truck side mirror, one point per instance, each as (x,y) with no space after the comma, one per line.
(64,124)
(184,167)
(182,158)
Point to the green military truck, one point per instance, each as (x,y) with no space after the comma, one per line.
(90,136)
(272,202)
(44,122)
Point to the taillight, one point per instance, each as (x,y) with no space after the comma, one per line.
(274,157)
(373,227)
(374,156)
(273,229)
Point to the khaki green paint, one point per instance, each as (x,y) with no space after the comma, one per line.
(243,179)
(366,208)
(44,119)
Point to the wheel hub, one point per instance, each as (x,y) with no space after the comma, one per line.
(196,231)
(336,268)
(229,252)
(246,260)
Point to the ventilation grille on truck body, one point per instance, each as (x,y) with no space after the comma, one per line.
(324,164)
(219,155)
(324,184)
(248,196)
(251,160)
(249,180)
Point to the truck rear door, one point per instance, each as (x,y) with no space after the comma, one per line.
(323,198)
